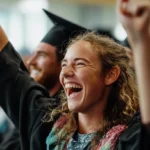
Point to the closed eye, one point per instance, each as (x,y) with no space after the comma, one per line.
(80,64)
(63,65)
(43,54)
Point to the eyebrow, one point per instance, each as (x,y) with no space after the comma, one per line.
(41,52)
(76,59)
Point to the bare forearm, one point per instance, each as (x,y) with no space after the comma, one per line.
(142,67)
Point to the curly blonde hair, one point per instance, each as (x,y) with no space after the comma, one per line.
(123,99)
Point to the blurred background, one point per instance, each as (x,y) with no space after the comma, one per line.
(25,23)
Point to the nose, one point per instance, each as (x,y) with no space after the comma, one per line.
(31,61)
(67,71)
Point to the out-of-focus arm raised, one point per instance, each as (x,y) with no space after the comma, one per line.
(3,39)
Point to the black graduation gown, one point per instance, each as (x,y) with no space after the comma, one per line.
(11,141)
(25,102)
(130,138)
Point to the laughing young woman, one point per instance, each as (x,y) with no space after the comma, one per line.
(101,98)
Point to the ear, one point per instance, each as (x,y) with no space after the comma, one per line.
(112,75)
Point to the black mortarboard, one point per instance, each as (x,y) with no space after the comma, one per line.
(61,32)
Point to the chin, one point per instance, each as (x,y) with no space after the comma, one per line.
(37,79)
(70,108)
(73,108)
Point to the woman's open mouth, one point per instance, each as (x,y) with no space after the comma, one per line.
(72,89)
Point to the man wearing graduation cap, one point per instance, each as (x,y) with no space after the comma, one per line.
(45,63)
(44,66)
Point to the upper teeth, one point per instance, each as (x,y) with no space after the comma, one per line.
(34,71)
(69,86)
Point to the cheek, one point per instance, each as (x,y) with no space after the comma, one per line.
(40,62)
(94,83)
(61,78)
(90,77)
(46,64)
(94,91)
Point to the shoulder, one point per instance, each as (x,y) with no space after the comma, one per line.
(145,137)
(130,138)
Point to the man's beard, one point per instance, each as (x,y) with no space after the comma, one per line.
(49,81)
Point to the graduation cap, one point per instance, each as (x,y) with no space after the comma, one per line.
(60,34)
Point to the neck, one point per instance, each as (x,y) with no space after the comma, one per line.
(89,122)
(55,89)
